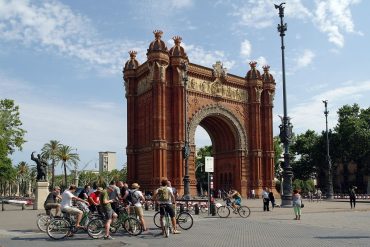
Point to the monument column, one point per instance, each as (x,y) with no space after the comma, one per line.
(255,90)
(130,86)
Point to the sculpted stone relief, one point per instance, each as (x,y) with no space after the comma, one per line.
(217,88)
(144,85)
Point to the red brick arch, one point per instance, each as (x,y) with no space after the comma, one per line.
(235,111)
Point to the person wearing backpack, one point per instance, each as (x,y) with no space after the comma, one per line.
(164,196)
(136,199)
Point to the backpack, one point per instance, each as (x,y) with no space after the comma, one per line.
(163,194)
(132,197)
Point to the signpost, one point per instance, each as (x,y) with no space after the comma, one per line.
(209,168)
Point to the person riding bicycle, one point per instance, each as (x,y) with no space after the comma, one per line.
(164,196)
(67,205)
(51,201)
(237,198)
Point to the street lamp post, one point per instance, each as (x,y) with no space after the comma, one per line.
(186,148)
(286,126)
(330,192)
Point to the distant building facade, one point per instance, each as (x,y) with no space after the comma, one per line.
(107,161)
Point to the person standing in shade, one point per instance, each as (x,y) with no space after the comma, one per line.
(297,203)
(352,196)
(266,200)
(272,199)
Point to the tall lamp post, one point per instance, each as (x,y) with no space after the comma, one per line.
(285,127)
(186,148)
(330,192)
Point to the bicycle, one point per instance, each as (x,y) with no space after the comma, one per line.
(224,211)
(96,227)
(60,227)
(183,219)
(43,220)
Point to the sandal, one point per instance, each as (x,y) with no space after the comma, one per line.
(176,232)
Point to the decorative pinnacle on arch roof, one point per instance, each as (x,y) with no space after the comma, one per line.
(157,44)
(178,50)
(132,63)
(267,77)
(253,73)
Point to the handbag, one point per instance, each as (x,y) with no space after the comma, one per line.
(302,205)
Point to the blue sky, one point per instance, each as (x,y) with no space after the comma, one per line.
(61,61)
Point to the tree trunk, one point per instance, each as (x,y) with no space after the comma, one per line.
(52,173)
(65,175)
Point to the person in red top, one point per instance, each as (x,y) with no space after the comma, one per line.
(94,200)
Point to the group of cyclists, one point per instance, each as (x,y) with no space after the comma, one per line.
(108,201)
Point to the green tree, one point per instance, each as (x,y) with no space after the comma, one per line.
(11,133)
(49,152)
(23,176)
(307,155)
(68,158)
(200,173)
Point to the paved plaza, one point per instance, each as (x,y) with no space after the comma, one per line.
(323,224)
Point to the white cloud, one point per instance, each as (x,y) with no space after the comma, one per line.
(245,48)
(200,56)
(178,4)
(92,125)
(305,59)
(333,18)
(55,27)
(309,114)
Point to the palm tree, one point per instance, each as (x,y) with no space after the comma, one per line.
(49,152)
(22,175)
(67,157)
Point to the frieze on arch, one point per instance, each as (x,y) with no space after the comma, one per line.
(224,112)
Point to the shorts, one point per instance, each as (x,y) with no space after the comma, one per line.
(108,214)
(71,210)
(50,205)
(238,201)
(168,208)
(139,211)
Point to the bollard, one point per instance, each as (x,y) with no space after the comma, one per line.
(213,209)
(2,206)
(146,206)
(22,206)
(181,208)
(196,209)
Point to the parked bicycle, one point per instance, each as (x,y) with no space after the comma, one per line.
(224,211)
(96,228)
(43,221)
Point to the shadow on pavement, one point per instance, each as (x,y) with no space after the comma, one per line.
(343,237)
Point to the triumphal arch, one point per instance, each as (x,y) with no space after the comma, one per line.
(235,111)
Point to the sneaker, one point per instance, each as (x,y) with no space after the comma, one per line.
(176,232)
(108,238)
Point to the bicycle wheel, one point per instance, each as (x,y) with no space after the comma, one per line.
(157,220)
(58,228)
(244,211)
(96,228)
(166,225)
(133,226)
(185,220)
(42,222)
(223,212)
(203,209)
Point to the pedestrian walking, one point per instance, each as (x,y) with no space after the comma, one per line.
(266,200)
(272,199)
(297,204)
(318,194)
(352,196)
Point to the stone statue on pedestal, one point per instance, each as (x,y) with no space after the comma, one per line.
(41,167)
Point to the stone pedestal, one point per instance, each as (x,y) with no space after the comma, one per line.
(42,191)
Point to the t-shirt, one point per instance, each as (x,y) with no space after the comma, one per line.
(104,196)
(94,197)
(66,199)
(138,194)
(114,194)
(51,198)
